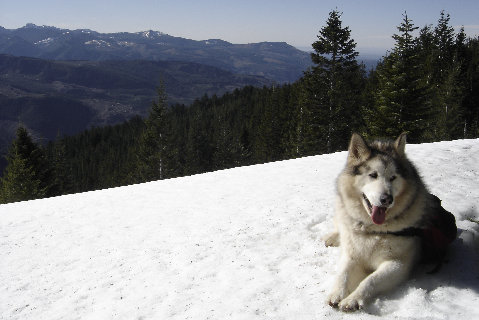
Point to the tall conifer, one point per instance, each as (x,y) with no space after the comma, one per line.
(330,99)
(402,101)
(28,174)
(447,80)
(155,153)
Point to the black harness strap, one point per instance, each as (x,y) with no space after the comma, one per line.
(408,232)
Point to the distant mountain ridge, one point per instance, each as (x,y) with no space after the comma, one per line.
(277,61)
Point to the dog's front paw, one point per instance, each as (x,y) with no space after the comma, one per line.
(335,298)
(351,304)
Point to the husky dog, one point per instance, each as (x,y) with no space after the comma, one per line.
(381,202)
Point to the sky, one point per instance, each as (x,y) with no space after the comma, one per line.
(372,22)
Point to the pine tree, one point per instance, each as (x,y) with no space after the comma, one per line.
(19,182)
(28,174)
(268,143)
(444,41)
(228,151)
(402,101)
(62,182)
(330,97)
(442,61)
(199,147)
(471,89)
(155,157)
(447,80)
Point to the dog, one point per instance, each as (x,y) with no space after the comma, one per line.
(383,211)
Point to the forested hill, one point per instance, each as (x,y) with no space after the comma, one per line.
(277,61)
(66,97)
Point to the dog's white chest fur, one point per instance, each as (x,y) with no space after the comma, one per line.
(370,250)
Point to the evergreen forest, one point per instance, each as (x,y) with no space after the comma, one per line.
(427,85)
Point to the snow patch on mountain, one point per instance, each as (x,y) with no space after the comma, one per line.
(98,43)
(150,34)
(46,41)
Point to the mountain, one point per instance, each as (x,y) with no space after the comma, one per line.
(65,97)
(243,243)
(277,61)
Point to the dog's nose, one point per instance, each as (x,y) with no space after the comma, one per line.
(386,199)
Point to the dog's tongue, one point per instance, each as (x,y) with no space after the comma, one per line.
(378,214)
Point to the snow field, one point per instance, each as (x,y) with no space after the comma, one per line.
(243,243)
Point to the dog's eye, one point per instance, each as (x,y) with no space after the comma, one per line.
(373,175)
(392,178)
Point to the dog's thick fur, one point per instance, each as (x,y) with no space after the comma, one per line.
(380,194)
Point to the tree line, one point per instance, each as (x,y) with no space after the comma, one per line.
(426,85)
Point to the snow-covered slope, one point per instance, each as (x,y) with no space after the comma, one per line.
(234,244)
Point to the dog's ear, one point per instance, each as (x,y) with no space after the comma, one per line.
(358,149)
(400,144)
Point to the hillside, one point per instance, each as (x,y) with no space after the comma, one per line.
(277,61)
(234,244)
(66,97)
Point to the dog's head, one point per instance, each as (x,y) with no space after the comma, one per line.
(379,172)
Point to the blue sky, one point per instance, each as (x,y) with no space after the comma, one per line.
(372,22)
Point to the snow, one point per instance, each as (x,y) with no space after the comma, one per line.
(243,243)
(45,41)
(126,43)
(150,34)
(98,43)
